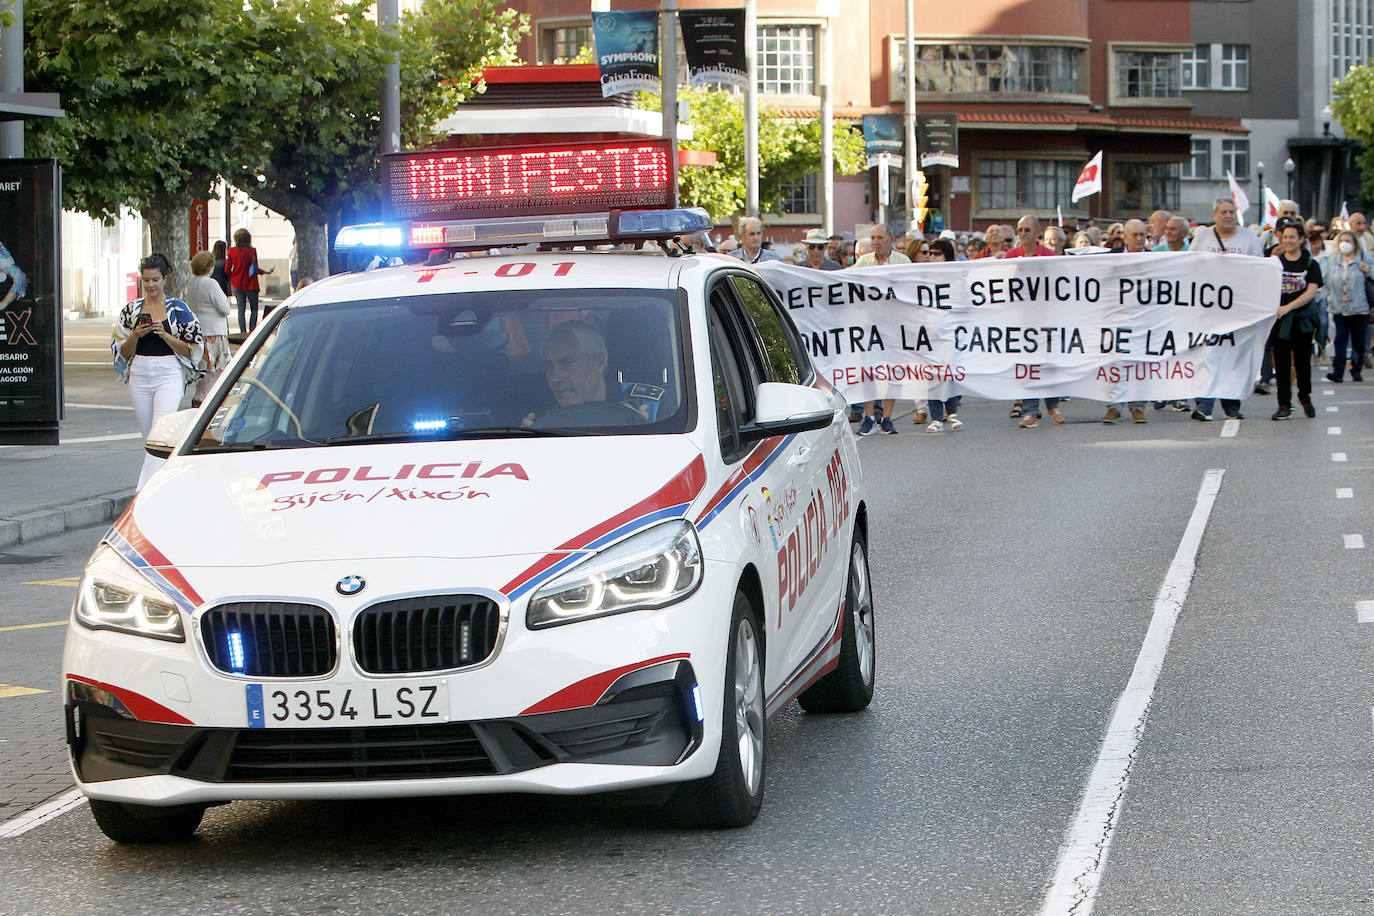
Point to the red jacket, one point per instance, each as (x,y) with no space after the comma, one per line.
(1040,252)
(241,264)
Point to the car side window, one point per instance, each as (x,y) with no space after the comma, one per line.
(732,391)
(780,347)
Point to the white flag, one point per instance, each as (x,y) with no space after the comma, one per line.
(1238,196)
(1271,207)
(1090,180)
(1345,212)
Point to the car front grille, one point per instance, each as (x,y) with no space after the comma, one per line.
(426,633)
(388,752)
(270,639)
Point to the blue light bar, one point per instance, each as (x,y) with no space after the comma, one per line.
(696,700)
(370,237)
(236,650)
(428,426)
(662,224)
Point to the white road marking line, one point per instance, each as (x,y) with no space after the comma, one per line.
(128,407)
(1354,541)
(1083,855)
(1333,430)
(1332,409)
(1229,429)
(33,626)
(1364,611)
(1328,391)
(1345,493)
(23,823)
(113,438)
(1338,456)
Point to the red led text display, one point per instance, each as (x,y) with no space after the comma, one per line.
(525,180)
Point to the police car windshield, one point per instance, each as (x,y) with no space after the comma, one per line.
(462,365)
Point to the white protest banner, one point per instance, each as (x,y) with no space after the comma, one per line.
(1110,327)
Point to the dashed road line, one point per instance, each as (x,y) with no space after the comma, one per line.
(1333,430)
(1345,493)
(128,407)
(1329,392)
(1083,856)
(1364,611)
(1338,456)
(33,626)
(68,582)
(1354,541)
(8,691)
(1229,429)
(23,823)
(1333,409)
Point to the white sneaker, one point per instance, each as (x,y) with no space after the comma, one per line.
(955,424)
(935,426)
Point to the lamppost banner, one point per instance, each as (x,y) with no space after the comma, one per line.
(30,302)
(883,134)
(714,41)
(627,51)
(938,139)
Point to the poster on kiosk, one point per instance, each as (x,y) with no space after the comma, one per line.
(30,302)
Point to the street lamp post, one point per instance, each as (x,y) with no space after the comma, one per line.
(1288,166)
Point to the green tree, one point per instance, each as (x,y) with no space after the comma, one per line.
(316,67)
(147,104)
(1353,104)
(789,149)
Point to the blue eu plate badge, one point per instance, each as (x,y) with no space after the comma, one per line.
(253,693)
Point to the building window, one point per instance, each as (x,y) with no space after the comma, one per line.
(1235,158)
(992,69)
(1352,35)
(1025,184)
(1148,74)
(787,60)
(564,42)
(799,196)
(1145,186)
(1197,67)
(1199,164)
(1235,66)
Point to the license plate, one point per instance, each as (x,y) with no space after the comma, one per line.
(346,705)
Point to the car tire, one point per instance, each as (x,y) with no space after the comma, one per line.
(849,688)
(146,823)
(732,795)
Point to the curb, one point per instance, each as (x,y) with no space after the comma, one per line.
(55,520)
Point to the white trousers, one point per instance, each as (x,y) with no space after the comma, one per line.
(156,386)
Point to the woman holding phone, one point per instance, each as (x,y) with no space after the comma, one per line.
(157,345)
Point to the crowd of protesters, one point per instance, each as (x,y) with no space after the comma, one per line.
(1323,309)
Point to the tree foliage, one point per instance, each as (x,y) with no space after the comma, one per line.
(147,100)
(1353,104)
(789,149)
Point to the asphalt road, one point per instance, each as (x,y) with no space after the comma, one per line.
(1016,574)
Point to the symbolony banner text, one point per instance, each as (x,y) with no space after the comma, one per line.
(1124,327)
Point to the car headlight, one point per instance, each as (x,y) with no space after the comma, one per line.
(115,596)
(650,569)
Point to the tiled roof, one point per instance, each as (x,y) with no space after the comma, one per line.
(1075,119)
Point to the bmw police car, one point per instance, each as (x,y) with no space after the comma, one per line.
(548,521)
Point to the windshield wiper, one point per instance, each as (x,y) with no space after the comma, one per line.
(448,435)
(257,446)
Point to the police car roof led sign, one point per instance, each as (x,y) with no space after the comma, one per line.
(583,177)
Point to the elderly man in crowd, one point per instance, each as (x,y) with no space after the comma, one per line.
(1155,226)
(816,259)
(1175,235)
(1226,235)
(1055,239)
(751,250)
(1028,240)
(1136,236)
(994,244)
(882,255)
(1359,225)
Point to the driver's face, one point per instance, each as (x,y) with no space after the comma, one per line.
(573,376)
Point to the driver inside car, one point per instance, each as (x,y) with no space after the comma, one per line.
(574,357)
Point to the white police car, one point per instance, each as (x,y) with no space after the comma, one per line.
(554,522)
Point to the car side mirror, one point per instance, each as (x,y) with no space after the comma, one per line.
(168,432)
(784,410)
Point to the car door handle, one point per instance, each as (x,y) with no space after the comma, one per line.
(802,456)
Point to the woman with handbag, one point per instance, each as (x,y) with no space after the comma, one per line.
(242,266)
(1346,290)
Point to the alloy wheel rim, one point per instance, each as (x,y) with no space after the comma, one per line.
(862,609)
(749,707)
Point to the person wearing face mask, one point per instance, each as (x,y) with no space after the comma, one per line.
(1344,293)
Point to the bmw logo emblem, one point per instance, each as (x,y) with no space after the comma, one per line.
(350,585)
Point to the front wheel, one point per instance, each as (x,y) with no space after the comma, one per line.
(146,823)
(733,794)
(849,688)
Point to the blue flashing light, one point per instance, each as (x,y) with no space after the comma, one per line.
(696,701)
(235,641)
(370,237)
(428,426)
(662,223)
